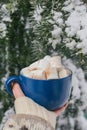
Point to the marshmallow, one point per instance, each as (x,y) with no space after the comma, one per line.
(52,73)
(43,64)
(34,65)
(26,72)
(46,68)
(47,58)
(38,74)
(63,73)
(55,61)
(68,71)
(59,68)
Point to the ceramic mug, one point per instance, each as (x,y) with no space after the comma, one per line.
(52,93)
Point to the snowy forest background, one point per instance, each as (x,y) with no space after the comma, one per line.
(31,29)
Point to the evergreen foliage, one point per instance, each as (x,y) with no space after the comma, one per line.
(28,39)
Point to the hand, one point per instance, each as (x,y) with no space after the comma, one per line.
(58,112)
(18,93)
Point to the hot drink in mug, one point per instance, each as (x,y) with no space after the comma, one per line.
(46,81)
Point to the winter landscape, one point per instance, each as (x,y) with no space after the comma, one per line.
(30,30)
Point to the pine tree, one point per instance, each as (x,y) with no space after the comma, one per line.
(29,37)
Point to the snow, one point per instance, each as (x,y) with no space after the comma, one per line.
(37,13)
(78,80)
(2,30)
(7,115)
(56,32)
(3,8)
(75,26)
(71,44)
(56,36)
(2,27)
(57,17)
(6,19)
(1,105)
(82,121)
(79,92)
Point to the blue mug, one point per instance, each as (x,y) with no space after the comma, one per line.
(52,93)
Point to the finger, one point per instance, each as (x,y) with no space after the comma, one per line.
(17,92)
(58,112)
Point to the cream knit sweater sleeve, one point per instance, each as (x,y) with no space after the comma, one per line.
(25,105)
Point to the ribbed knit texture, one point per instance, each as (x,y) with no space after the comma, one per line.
(25,105)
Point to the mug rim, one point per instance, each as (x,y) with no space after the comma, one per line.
(70,75)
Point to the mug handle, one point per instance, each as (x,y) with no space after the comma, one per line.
(10,81)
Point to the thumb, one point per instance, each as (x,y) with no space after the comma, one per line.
(17,92)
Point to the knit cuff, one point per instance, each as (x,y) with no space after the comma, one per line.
(25,105)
